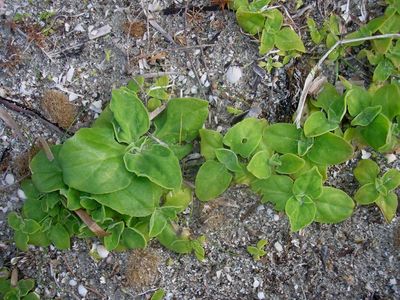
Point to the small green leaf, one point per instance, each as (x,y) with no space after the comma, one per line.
(304,144)
(267,42)
(309,184)
(357,99)
(366,194)
(330,149)
(73,198)
(317,124)
(21,240)
(282,137)
(132,238)
(25,285)
(179,198)
(290,164)
(157,223)
(333,206)
(209,141)
(153,104)
(388,97)
(15,221)
(300,213)
(251,22)
(383,70)
(158,295)
(32,296)
(244,137)
(115,230)
(136,83)
(59,236)
(388,205)
(366,116)
(274,21)
(391,179)
(229,159)
(276,189)
(211,180)
(332,102)
(287,39)
(377,134)
(198,248)
(366,171)
(259,165)
(30,226)
(314,33)
(170,239)
(157,163)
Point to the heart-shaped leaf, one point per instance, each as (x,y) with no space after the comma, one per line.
(59,236)
(388,97)
(282,137)
(132,238)
(130,116)
(300,213)
(330,149)
(157,223)
(365,117)
(47,175)
(388,205)
(332,103)
(317,124)
(383,70)
(333,206)
(229,159)
(210,140)
(276,189)
(259,165)
(92,162)
(267,42)
(366,171)
(251,22)
(378,133)
(138,199)
(290,164)
(308,184)
(30,226)
(25,285)
(357,99)
(21,240)
(287,39)
(115,230)
(157,163)
(391,179)
(211,180)
(366,194)
(179,198)
(274,21)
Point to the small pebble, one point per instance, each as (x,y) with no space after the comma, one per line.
(276,218)
(393,281)
(256,283)
(218,273)
(233,74)
(72,282)
(278,247)
(10,179)
(260,295)
(102,280)
(390,157)
(82,290)
(102,251)
(365,154)
(21,194)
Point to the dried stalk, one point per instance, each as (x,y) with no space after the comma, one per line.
(310,78)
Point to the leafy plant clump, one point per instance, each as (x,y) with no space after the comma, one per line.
(122,177)
(258,251)
(11,289)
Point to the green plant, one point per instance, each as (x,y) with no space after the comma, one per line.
(13,289)
(258,251)
(158,295)
(375,189)
(121,177)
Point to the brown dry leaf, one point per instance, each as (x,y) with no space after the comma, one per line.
(158,56)
(10,122)
(96,229)
(141,271)
(180,39)
(135,29)
(58,108)
(221,3)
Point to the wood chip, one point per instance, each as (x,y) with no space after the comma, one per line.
(96,229)
(5,116)
(96,33)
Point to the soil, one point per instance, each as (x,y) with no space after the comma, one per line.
(58,54)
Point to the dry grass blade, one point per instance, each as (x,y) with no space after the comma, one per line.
(14,277)
(5,116)
(46,149)
(96,229)
(157,111)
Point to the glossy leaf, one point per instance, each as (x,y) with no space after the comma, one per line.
(366,194)
(318,124)
(276,189)
(251,22)
(229,159)
(92,162)
(391,179)
(388,205)
(157,163)
(300,213)
(138,199)
(259,165)
(377,133)
(330,149)
(287,39)
(59,236)
(333,206)
(244,137)
(115,230)
(211,180)
(130,116)
(366,171)
(388,97)
(290,164)
(365,117)
(282,137)
(210,140)
(308,184)
(47,175)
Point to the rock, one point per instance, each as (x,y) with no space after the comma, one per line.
(278,247)
(96,106)
(10,179)
(256,283)
(234,74)
(390,157)
(82,290)
(260,295)
(21,194)
(72,282)
(102,251)
(365,154)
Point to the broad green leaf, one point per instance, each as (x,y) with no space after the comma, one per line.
(92,162)
(388,205)
(15,221)
(181,120)
(276,189)
(138,199)
(365,117)
(59,236)
(357,99)
(235,4)
(259,5)
(308,184)
(157,223)
(157,163)
(133,238)
(366,194)
(304,144)
(211,180)
(259,165)
(229,159)
(287,39)
(21,240)
(333,24)
(30,190)
(136,84)
(332,102)
(391,179)
(377,134)
(290,164)
(333,206)
(274,21)
(153,104)
(89,203)
(30,226)
(391,25)
(267,42)
(49,201)
(105,119)
(383,70)
(32,296)
(174,241)
(40,239)
(115,230)
(300,213)
(209,141)
(244,176)
(282,137)
(388,97)
(381,45)
(317,124)
(366,171)
(330,149)
(179,198)
(32,209)
(244,137)
(314,32)
(25,285)
(251,22)
(73,198)
(47,175)
(130,115)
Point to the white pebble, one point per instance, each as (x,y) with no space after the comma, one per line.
(260,295)
(72,282)
(365,154)
(233,74)
(10,179)
(278,247)
(82,290)
(102,280)
(218,273)
(21,194)
(393,281)
(390,157)
(96,106)
(276,218)
(102,251)
(256,283)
